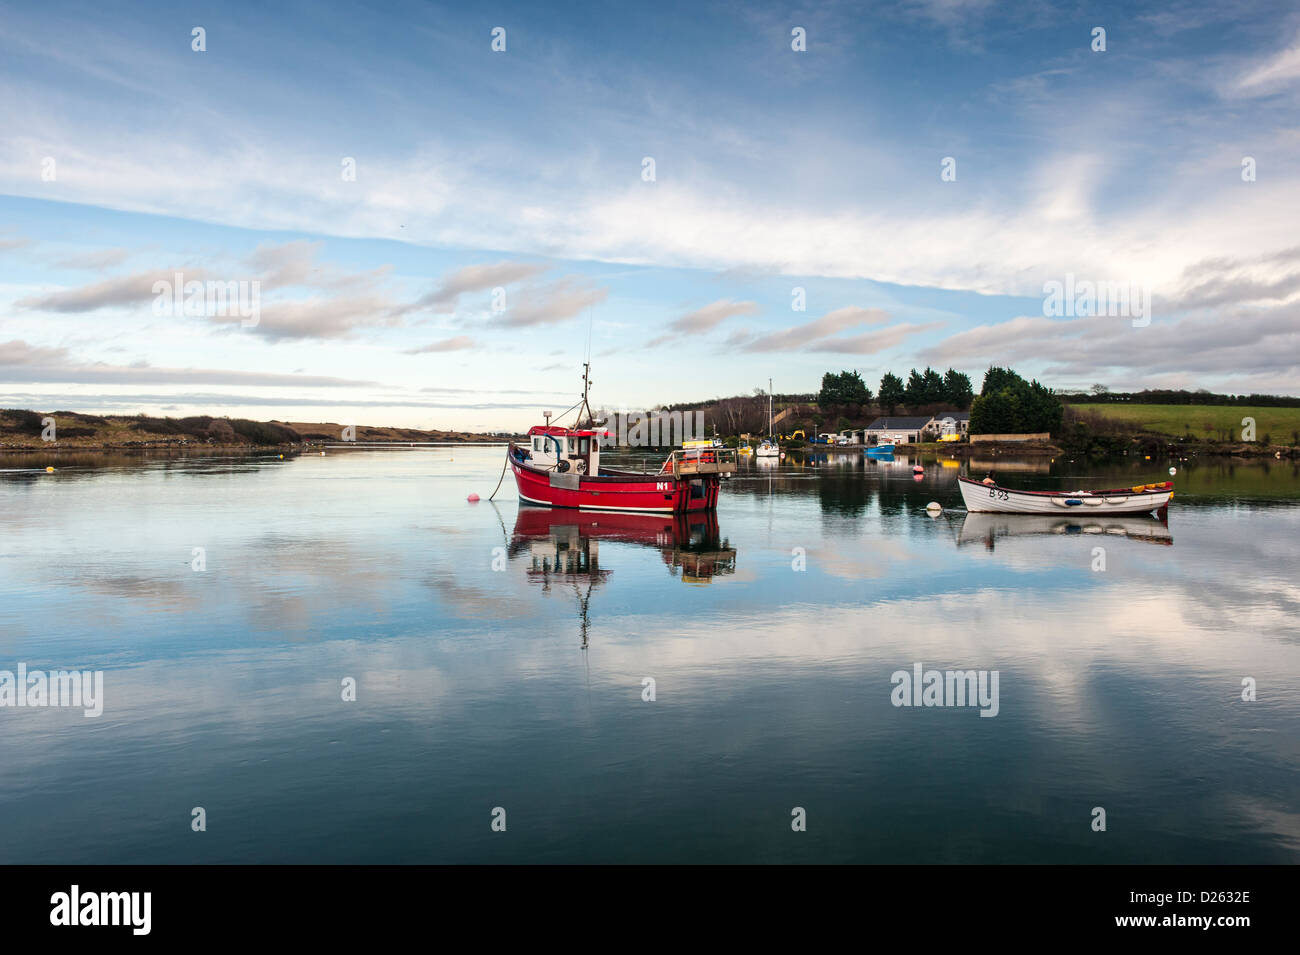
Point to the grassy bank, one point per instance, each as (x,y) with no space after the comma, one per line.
(1204,422)
(22,429)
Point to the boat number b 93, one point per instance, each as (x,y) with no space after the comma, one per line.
(998,494)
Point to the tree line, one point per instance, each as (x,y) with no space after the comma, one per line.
(922,389)
(1100,394)
(1006,404)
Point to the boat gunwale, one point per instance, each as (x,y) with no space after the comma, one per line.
(611,475)
(1112,491)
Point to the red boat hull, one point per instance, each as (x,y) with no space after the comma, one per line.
(615,490)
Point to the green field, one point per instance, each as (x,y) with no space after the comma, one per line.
(1204,421)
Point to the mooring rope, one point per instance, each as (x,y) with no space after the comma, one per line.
(503,475)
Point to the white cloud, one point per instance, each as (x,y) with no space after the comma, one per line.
(1272,75)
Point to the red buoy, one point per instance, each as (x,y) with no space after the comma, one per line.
(473,498)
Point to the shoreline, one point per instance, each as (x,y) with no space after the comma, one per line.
(957,451)
(180,448)
(1040,449)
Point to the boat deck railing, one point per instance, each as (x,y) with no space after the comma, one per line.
(700,461)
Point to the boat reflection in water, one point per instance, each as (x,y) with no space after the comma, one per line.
(562,547)
(986,528)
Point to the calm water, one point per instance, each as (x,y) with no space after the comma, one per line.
(499,657)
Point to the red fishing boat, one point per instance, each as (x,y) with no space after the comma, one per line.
(561,467)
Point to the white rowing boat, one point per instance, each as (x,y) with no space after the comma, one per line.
(990,498)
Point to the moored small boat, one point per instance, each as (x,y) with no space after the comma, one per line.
(879,450)
(768,449)
(991,498)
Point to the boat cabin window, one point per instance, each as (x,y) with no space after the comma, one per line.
(584,445)
(539,444)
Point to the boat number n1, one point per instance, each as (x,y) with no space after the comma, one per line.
(998,494)
(663,486)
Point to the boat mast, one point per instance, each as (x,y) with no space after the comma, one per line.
(586,385)
(770,408)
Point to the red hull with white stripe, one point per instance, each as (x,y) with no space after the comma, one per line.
(614,490)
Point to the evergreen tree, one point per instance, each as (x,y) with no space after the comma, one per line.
(845,388)
(933,390)
(914,393)
(995,379)
(1008,404)
(891,393)
(957,390)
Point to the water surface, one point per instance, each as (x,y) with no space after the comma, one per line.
(500,656)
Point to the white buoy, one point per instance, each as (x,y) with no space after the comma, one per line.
(1173,471)
(934,509)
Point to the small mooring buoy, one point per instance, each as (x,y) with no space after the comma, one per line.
(934,509)
(1173,471)
(49,470)
(473,498)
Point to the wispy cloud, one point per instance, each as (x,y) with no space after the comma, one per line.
(477,278)
(95,261)
(1245,343)
(1274,73)
(550,304)
(122,290)
(458,343)
(20,361)
(812,335)
(704,319)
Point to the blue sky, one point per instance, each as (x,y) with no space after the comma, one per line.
(523,171)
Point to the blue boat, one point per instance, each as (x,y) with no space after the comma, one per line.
(879,451)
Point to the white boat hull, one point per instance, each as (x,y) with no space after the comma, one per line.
(984,529)
(767,453)
(992,499)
